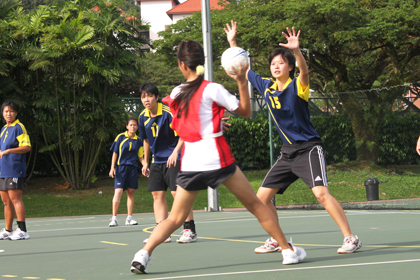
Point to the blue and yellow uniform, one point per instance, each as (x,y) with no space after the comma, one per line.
(13,136)
(288,108)
(128,151)
(162,139)
(301,143)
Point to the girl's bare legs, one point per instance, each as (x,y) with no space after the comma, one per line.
(180,210)
(9,210)
(238,185)
(130,201)
(160,206)
(16,199)
(333,208)
(190,215)
(266,196)
(116,201)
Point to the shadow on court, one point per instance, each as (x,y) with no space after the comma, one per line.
(76,248)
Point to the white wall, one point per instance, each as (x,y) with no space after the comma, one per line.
(154,13)
(180,16)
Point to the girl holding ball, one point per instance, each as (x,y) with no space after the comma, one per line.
(198,106)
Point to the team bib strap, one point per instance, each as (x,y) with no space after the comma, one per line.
(212,135)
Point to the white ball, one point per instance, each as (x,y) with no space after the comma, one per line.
(233,57)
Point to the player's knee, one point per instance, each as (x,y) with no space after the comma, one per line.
(117,196)
(322,197)
(158,197)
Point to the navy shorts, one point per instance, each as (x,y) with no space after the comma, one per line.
(11,184)
(301,160)
(126,177)
(197,181)
(161,177)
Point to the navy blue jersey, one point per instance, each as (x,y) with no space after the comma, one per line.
(13,136)
(162,138)
(288,108)
(128,149)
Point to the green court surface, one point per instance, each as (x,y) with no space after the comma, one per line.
(84,247)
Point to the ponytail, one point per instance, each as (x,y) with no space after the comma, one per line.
(192,54)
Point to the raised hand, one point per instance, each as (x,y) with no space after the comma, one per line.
(292,39)
(230,31)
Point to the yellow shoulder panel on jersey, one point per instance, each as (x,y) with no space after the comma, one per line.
(302,92)
(116,138)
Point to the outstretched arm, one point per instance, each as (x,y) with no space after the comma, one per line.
(230,31)
(244,107)
(293,44)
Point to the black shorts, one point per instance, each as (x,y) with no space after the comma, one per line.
(11,184)
(161,177)
(197,181)
(301,160)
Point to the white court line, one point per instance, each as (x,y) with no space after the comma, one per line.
(224,221)
(282,269)
(85,228)
(37,220)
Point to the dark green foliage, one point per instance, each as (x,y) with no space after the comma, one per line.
(64,65)
(250,142)
(398,138)
(338,138)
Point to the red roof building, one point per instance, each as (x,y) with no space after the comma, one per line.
(190,6)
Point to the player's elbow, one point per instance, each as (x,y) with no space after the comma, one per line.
(248,114)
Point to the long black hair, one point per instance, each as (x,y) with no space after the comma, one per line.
(192,54)
(287,55)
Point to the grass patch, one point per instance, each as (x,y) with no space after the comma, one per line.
(47,197)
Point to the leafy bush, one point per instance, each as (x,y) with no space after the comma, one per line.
(398,138)
(250,142)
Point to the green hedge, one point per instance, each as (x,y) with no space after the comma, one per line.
(398,139)
(250,143)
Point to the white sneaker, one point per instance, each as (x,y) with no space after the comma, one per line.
(4,234)
(293,256)
(113,223)
(187,236)
(270,245)
(18,235)
(167,240)
(139,263)
(130,222)
(350,245)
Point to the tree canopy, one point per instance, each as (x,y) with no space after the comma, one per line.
(349,46)
(64,64)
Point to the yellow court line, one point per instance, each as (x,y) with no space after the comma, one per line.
(309,245)
(113,243)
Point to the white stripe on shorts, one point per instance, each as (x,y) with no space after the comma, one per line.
(321,158)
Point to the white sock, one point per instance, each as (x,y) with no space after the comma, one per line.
(129,217)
